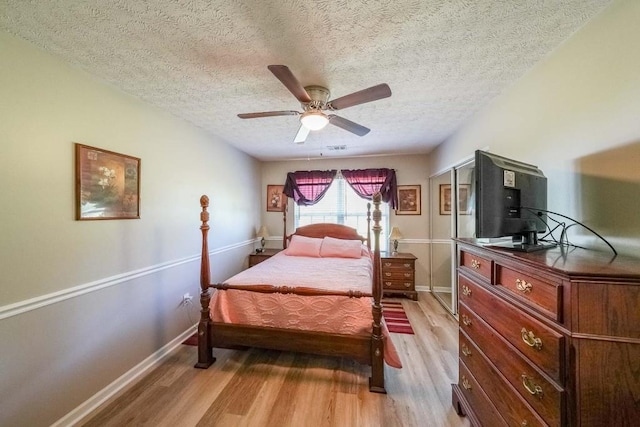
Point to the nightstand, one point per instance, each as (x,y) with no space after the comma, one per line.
(257,258)
(399,274)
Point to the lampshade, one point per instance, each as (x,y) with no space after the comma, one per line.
(314,119)
(263,232)
(395,234)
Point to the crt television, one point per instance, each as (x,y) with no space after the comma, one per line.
(510,201)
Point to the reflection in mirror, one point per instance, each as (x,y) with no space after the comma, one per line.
(441,244)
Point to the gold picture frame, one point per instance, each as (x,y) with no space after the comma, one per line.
(276,200)
(409,201)
(107,184)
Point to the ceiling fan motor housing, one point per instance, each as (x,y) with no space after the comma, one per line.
(319,97)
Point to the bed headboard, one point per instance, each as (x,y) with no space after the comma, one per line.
(337,231)
(321,230)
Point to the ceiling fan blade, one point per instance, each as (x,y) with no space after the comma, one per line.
(287,78)
(268,114)
(366,95)
(302,134)
(345,124)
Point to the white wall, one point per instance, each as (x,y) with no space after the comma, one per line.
(577,116)
(82,302)
(410,170)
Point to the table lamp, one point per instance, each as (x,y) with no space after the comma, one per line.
(263,233)
(395,235)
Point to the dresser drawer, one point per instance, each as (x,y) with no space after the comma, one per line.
(542,394)
(476,264)
(477,398)
(509,404)
(398,285)
(398,265)
(545,296)
(397,275)
(538,342)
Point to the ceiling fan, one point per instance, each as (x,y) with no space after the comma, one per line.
(315,101)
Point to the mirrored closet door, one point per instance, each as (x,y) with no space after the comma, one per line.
(451,215)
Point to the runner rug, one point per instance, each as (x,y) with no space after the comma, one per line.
(395,317)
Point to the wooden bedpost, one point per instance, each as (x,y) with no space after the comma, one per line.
(376,382)
(285,208)
(205,354)
(369,225)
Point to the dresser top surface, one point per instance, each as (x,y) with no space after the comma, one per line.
(570,260)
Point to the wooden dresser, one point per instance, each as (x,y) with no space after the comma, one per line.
(548,338)
(399,274)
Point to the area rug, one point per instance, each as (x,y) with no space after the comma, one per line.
(395,317)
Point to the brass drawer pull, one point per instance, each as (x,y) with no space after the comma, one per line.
(523,286)
(466,291)
(530,339)
(465,383)
(387,283)
(466,320)
(475,264)
(387,264)
(532,387)
(407,274)
(387,274)
(407,265)
(465,350)
(407,284)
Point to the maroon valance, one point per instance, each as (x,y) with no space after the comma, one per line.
(367,182)
(307,188)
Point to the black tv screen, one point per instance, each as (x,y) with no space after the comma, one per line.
(510,200)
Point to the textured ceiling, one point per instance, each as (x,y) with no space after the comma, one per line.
(206,61)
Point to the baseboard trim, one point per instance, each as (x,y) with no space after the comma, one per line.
(55,297)
(90,405)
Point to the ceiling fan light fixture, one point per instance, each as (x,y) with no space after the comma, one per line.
(314,120)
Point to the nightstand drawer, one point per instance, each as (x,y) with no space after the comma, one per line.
(398,285)
(398,265)
(396,275)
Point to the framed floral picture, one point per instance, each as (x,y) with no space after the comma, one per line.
(107,184)
(408,200)
(276,200)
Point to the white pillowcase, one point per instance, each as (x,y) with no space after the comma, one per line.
(304,246)
(340,248)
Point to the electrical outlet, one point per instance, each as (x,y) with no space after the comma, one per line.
(187,299)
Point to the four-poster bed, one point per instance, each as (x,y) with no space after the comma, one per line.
(367,342)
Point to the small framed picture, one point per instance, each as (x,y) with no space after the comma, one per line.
(463,199)
(408,200)
(107,184)
(276,200)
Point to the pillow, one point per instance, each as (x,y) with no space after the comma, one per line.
(340,248)
(304,246)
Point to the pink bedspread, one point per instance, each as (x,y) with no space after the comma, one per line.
(333,314)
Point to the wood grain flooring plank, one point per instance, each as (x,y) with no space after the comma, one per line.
(258,388)
(239,393)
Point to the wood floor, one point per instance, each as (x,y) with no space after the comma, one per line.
(270,388)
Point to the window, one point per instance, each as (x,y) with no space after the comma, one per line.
(341,205)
